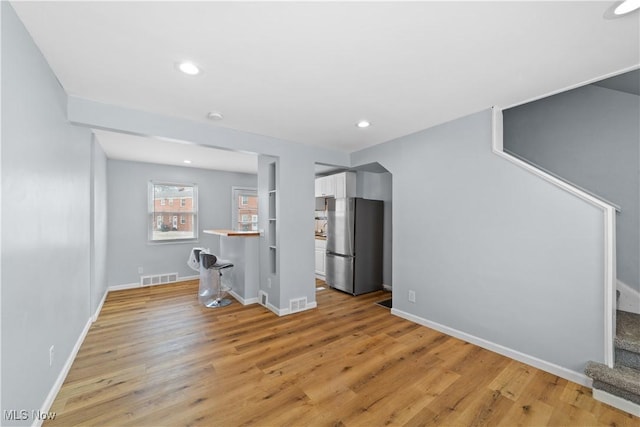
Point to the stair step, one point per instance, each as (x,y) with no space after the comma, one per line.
(628,331)
(627,358)
(619,380)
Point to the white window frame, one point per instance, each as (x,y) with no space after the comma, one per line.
(236,192)
(153,216)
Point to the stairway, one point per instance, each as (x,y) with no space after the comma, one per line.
(623,380)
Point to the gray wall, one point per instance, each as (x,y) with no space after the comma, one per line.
(128,220)
(589,136)
(98,225)
(296,183)
(498,253)
(45,223)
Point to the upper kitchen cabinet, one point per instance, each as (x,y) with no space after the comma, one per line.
(338,185)
(326,186)
(345,184)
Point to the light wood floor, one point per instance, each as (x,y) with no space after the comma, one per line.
(155,357)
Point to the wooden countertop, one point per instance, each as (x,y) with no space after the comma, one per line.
(233,233)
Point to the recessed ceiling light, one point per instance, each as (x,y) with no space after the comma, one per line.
(187,161)
(627,6)
(214,115)
(363,124)
(188,68)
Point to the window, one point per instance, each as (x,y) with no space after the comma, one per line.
(163,218)
(244,209)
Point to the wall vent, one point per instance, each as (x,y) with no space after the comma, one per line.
(158,279)
(297,304)
(263,298)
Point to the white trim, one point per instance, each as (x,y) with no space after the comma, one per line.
(497,147)
(63,373)
(287,311)
(574,86)
(124,286)
(617,402)
(273,308)
(629,298)
(568,374)
(186,278)
(137,284)
(610,280)
(99,308)
(497,130)
(609,217)
(537,166)
(243,301)
(387,288)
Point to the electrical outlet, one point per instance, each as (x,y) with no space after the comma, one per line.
(412,296)
(140,270)
(51,353)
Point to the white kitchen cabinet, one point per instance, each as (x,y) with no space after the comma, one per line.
(345,184)
(338,185)
(321,249)
(326,186)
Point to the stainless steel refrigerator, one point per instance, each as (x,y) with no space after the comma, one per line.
(354,245)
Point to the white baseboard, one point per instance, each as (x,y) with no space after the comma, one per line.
(273,308)
(386,287)
(99,308)
(137,284)
(285,311)
(617,402)
(46,406)
(576,377)
(629,298)
(124,286)
(243,301)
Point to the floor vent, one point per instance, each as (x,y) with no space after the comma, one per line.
(158,279)
(264,298)
(297,304)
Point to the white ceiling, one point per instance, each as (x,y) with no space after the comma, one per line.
(121,146)
(307,71)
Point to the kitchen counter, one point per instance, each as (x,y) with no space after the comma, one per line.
(241,248)
(320,237)
(233,233)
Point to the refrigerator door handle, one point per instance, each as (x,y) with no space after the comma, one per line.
(330,253)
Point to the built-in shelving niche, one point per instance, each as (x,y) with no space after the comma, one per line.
(273,218)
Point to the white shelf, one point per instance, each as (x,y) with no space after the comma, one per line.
(272,216)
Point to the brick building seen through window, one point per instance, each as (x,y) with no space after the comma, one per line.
(174,212)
